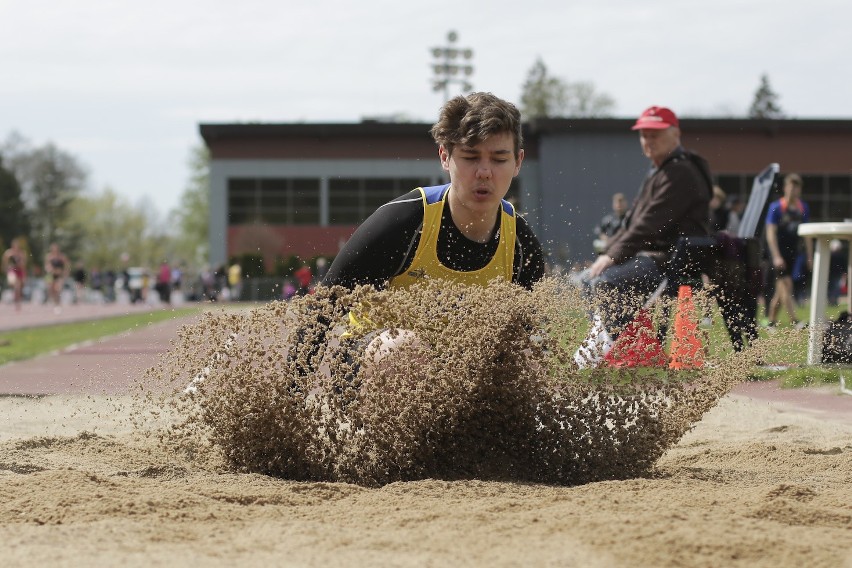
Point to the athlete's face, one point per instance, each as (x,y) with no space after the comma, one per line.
(480,175)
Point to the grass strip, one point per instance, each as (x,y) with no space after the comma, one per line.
(806,376)
(24,344)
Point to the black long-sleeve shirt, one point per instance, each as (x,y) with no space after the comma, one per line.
(384,245)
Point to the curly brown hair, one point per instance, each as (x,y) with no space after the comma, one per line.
(468,120)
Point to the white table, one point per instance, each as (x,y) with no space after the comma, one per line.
(823,233)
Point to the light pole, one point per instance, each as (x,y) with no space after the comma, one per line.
(452,65)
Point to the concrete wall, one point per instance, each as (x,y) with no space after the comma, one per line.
(579,173)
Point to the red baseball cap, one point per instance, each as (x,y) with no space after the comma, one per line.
(656,117)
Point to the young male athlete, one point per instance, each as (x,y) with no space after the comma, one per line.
(463,231)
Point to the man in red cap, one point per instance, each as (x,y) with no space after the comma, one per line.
(673,202)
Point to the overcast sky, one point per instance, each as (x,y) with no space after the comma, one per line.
(123,85)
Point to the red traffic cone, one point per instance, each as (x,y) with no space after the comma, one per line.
(637,345)
(686,351)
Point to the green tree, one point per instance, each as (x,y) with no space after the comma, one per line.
(190,220)
(13,217)
(542,95)
(50,180)
(585,101)
(765,103)
(545,96)
(106,226)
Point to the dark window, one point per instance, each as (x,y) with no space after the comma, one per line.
(840,194)
(305,206)
(344,198)
(840,186)
(815,195)
(735,184)
(242,201)
(377,192)
(351,200)
(277,201)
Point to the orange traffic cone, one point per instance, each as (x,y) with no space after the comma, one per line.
(686,351)
(637,345)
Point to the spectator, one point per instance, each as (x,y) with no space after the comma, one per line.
(146,285)
(288,291)
(784,245)
(56,268)
(15,268)
(96,283)
(110,280)
(79,277)
(720,215)
(305,278)
(322,267)
(220,283)
(611,222)
(673,202)
(736,206)
(235,280)
(177,277)
(207,282)
(163,284)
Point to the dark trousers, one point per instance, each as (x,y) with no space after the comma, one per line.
(621,291)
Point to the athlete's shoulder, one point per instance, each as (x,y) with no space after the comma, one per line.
(526,236)
(402,206)
(529,257)
(434,193)
(522,223)
(404,213)
(412,196)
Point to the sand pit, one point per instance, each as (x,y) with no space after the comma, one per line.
(749,486)
(752,484)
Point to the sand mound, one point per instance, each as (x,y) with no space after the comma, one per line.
(488,390)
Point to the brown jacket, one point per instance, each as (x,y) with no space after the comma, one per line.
(673,202)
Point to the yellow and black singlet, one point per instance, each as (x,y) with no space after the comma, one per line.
(426,263)
(383,248)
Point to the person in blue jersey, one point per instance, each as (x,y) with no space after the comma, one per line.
(782,239)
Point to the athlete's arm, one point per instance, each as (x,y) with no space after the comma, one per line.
(372,255)
(380,246)
(529,260)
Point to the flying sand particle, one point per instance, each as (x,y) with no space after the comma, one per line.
(489,389)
